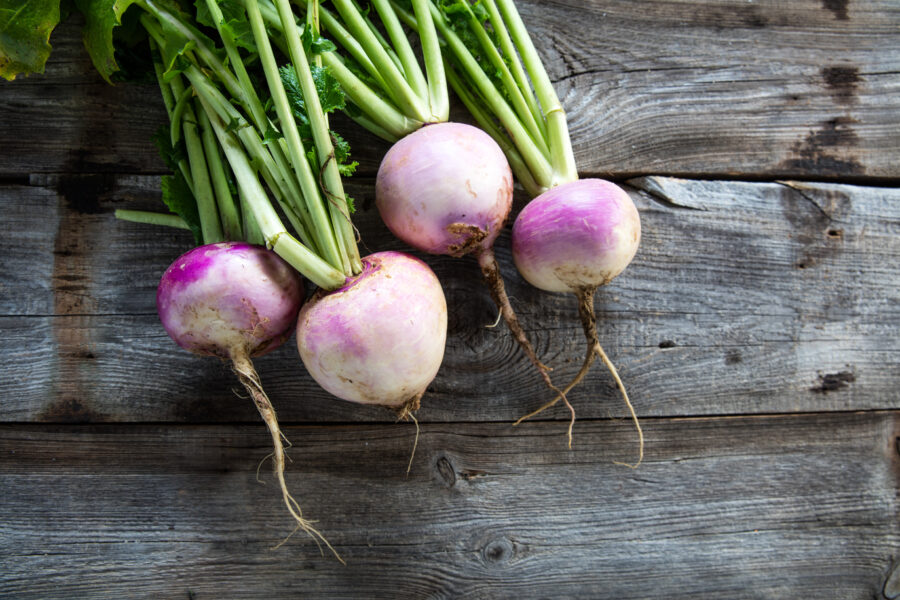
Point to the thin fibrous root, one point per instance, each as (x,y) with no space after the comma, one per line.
(404,412)
(594,349)
(248,377)
(491,272)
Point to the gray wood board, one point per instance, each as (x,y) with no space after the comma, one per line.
(744,298)
(804,89)
(753,507)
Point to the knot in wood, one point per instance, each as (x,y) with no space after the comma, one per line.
(445,471)
(498,551)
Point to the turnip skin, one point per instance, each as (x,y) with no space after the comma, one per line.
(229,299)
(577,235)
(380,339)
(445,189)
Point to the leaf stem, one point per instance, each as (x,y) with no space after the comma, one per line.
(228,212)
(202,187)
(384,119)
(322,229)
(152,218)
(562,156)
(253,144)
(330,177)
(515,63)
(519,105)
(276,237)
(395,84)
(438,98)
(404,50)
(538,163)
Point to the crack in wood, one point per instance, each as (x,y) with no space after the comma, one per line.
(656,191)
(805,196)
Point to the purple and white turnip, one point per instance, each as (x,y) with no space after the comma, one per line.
(574,238)
(379,339)
(447,189)
(575,235)
(235,301)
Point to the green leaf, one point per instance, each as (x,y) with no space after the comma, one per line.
(204,17)
(25,29)
(234,124)
(342,155)
(171,155)
(175,49)
(332,98)
(176,193)
(462,17)
(177,196)
(132,54)
(234,20)
(271,135)
(313,44)
(100,18)
(331,95)
(178,62)
(295,99)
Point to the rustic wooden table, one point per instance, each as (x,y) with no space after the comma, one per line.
(757,330)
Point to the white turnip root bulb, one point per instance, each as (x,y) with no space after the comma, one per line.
(236,301)
(447,189)
(576,237)
(379,339)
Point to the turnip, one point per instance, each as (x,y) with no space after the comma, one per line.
(380,338)
(246,153)
(447,189)
(575,238)
(235,301)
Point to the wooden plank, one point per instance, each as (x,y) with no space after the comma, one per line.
(723,88)
(715,88)
(768,507)
(744,298)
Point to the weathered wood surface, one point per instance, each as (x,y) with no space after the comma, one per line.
(764,507)
(757,331)
(744,298)
(807,88)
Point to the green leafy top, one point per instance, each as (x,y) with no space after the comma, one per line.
(25,29)
(234,21)
(461,16)
(176,193)
(100,18)
(332,98)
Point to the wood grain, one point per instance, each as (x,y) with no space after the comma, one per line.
(725,88)
(767,507)
(744,298)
